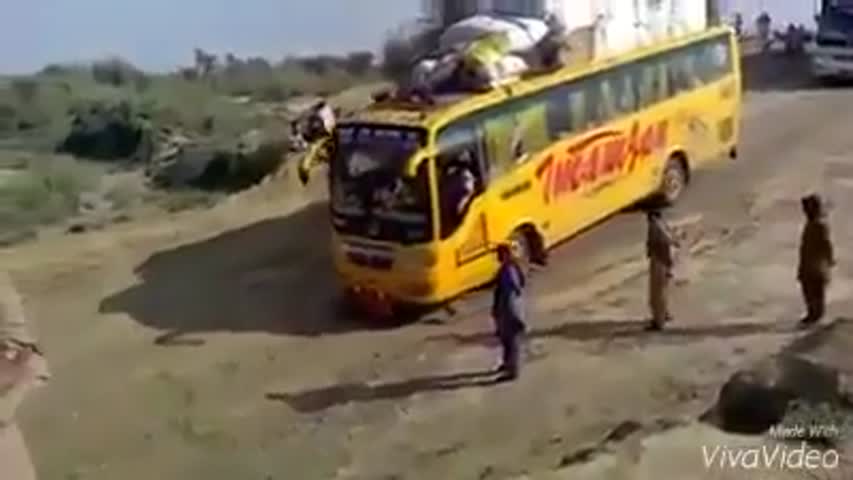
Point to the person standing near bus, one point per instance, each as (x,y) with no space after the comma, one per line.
(508,311)
(763,25)
(816,259)
(660,250)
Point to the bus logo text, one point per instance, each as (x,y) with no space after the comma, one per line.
(597,157)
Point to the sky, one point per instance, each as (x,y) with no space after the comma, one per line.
(161,34)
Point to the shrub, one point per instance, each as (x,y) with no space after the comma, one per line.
(359,63)
(49,191)
(8,118)
(26,89)
(116,72)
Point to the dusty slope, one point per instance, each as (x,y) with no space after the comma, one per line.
(206,345)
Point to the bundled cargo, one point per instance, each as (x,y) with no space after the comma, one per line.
(483,52)
(520,34)
(500,41)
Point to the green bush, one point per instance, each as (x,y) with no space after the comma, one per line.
(47,192)
(116,72)
(26,89)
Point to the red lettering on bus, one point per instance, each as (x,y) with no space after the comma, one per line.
(614,155)
(598,156)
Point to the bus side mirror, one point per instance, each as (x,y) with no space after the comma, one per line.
(414,163)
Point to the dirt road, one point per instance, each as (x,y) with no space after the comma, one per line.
(206,345)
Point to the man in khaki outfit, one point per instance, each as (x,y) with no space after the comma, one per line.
(816,259)
(660,249)
(22,367)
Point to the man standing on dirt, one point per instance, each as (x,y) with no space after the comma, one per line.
(21,367)
(816,259)
(763,25)
(508,311)
(660,249)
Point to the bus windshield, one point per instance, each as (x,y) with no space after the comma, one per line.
(371,196)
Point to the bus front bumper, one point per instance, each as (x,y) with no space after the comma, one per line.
(832,64)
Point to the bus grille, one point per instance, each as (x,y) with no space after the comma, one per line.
(370,261)
(831,42)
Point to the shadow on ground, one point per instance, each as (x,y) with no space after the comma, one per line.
(774,71)
(320,399)
(620,329)
(275,276)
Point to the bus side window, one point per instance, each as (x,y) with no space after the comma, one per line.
(692,62)
(715,60)
(461,172)
(647,83)
(500,128)
(677,76)
(559,105)
(606,104)
(530,134)
(627,100)
(665,89)
(583,99)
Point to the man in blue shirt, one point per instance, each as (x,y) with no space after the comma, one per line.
(508,311)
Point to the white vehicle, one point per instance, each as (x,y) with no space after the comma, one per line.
(832,53)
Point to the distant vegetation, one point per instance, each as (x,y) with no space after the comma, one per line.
(68,129)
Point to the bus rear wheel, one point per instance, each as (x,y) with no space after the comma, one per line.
(674,182)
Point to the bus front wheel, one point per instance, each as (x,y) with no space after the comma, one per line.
(675,178)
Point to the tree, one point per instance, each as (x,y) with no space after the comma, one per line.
(359,63)
(205,62)
(403,49)
(26,89)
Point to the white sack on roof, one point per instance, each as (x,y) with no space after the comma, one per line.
(523,33)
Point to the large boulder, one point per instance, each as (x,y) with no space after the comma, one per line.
(220,167)
(759,397)
(108,132)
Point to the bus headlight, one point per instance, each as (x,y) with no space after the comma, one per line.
(420,289)
(418,259)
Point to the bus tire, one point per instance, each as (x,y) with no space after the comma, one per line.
(675,179)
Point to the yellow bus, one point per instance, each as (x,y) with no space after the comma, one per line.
(549,156)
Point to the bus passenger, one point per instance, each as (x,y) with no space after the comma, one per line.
(459,188)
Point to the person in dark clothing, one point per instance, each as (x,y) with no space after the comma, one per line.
(816,259)
(660,250)
(508,311)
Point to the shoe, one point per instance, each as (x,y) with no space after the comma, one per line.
(654,327)
(807,322)
(507,376)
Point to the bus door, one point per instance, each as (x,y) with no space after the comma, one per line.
(461,177)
